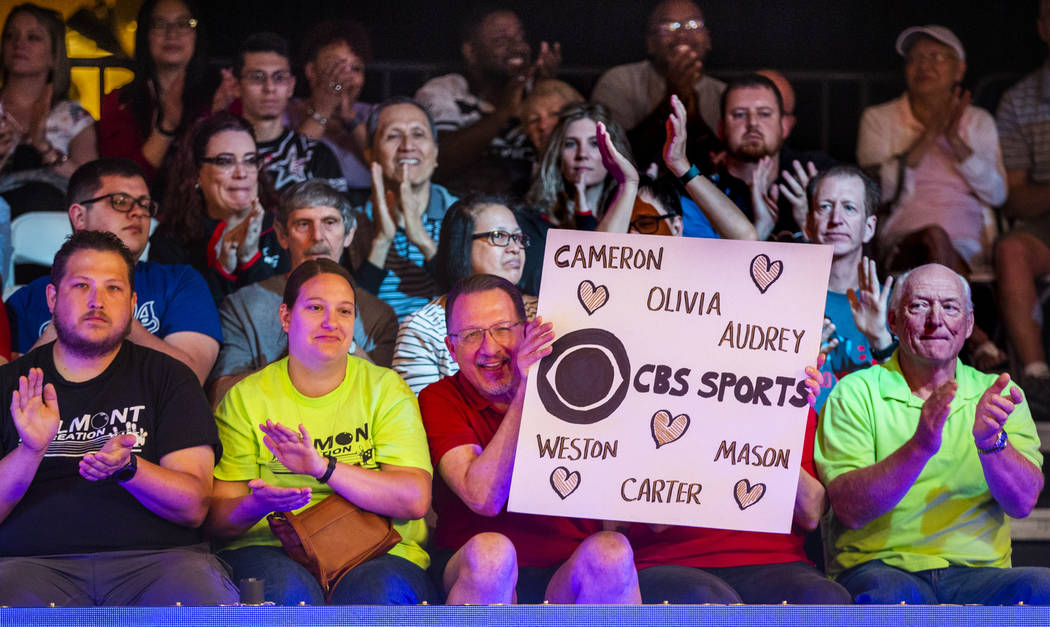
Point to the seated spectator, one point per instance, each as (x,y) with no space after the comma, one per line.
(313,221)
(842,215)
(937,157)
(479,235)
(265,84)
(44,136)
(171,90)
(397,228)
(939,164)
(313,400)
(573,188)
(707,211)
(925,459)
(174,312)
(480,134)
(104,515)
(214,214)
(334,56)
(483,553)
(541,108)
(753,129)
(1022,257)
(638,95)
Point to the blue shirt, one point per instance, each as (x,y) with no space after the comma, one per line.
(171,298)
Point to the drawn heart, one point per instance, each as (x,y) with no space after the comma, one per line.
(747,494)
(765,272)
(565,482)
(592,297)
(665,429)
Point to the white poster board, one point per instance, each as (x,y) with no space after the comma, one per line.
(674,391)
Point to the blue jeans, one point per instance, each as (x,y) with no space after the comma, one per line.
(794,582)
(385,580)
(876,582)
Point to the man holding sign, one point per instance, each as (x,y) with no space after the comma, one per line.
(472,421)
(923,459)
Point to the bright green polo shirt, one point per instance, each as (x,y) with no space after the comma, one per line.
(948,517)
(372,418)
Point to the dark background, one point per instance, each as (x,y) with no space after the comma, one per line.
(809,40)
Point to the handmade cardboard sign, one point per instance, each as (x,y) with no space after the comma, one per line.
(674,391)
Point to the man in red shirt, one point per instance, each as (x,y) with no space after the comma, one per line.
(483,553)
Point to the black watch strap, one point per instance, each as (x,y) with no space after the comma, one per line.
(128,471)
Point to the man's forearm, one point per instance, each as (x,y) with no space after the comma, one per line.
(725,217)
(1027,200)
(17,470)
(809,501)
(862,495)
(1015,482)
(488,476)
(174,495)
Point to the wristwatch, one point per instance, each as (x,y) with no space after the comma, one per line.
(128,471)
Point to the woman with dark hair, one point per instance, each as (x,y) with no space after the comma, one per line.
(214,215)
(574,189)
(334,55)
(172,87)
(44,136)
(480,235)
(333,424)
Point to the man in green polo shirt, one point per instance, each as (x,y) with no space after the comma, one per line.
(924,458)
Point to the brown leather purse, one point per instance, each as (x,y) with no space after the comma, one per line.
(333,537)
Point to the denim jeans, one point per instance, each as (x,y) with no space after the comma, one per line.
(876,582)
(385,580)
(794,582)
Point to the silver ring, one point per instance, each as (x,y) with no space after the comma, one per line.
(336,87)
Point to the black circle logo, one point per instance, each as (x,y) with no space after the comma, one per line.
(585,377)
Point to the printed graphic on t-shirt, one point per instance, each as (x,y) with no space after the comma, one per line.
(349,447)
(89,432)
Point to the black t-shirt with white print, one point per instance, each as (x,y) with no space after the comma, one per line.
(144,392)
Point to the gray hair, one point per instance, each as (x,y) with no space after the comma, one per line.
(902,281)
(313,193)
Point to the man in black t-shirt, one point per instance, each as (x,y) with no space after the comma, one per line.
(107,454)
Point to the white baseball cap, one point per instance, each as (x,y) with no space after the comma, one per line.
(940,33)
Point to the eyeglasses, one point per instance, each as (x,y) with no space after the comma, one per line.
(501,333)
(124,203)
(258,77)
(181,27)
(649,224)
(226,162)
(670,28)
(503,238)
(932,57)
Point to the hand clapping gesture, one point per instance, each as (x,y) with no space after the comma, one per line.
(993,410)
(34,409)
(676,138)
(294,449)
(764,196)
(114,455)
(794,189)
(270,498)
(870,303)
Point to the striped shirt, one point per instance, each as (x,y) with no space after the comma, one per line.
(420,355)
(404,285)
(1023,120)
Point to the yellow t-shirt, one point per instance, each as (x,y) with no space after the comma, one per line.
(372,418)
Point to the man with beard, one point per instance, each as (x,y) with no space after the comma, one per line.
(754,128)
(174,311)
(638,95)
(265,83)
(108,454)
(313,221)
(480,136)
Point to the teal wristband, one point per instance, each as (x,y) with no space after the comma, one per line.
(690,174)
